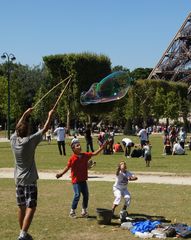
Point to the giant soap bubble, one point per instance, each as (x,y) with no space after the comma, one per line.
(111,88)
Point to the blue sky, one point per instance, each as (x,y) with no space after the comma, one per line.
(132,33)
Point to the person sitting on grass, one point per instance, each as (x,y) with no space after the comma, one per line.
(189,144)
(177,149)
(78,163)
(137,151)
(117,147)
(167,148)
(23,145)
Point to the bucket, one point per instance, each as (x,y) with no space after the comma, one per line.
(104,216)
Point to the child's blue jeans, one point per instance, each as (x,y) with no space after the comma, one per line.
(79,188)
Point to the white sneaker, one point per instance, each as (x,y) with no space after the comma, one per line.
(84,213)
(72,214)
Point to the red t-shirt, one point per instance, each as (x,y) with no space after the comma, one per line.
(117,147)
(79,166)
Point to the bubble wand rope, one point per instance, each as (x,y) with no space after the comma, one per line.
(69,77)
(58,99)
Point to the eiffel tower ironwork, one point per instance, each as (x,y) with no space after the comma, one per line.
(175,63)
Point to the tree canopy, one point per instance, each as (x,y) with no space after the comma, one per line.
(146,100)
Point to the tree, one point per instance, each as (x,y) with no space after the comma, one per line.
(25,83)
(171,106)
(156,99)
(86,69)
(120,68)
(158,107)
(3,102)
(141,73)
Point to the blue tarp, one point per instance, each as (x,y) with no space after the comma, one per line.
(144,226)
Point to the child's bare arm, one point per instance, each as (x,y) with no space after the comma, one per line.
(132,178)
(100,149)
(58,175)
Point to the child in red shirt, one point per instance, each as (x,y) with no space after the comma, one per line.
(78,163)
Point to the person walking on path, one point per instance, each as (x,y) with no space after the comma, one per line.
(61,133)
(88,137)
(147,153)
(182,137)
(49,136)
(23,146)
(143,135)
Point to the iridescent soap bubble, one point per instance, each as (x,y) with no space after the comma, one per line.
(111,88)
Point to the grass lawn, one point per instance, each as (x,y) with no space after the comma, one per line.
(48,158)
(3,133)
(51,219)
(52,222)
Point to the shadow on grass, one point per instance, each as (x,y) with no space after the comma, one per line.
(134,216)
(95,177)
(89,218)
(94,218)
(143,217)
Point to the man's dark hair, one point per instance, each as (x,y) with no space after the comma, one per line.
(22,129)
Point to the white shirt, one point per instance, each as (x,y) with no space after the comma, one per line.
(177,149)
(143,135)
(147,149)
(121,180)
(60,131)
(182,136)
(127,141)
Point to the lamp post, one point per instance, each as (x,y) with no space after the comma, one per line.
(9,58)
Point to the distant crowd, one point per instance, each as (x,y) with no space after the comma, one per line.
(174,140)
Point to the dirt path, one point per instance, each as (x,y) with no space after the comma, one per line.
(160,178)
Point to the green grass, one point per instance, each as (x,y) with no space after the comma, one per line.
(3,133)
(48,158)
(51,219)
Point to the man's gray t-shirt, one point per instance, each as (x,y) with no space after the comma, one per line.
(24,154)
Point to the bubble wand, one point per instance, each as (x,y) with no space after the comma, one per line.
(58,99)
(69,77)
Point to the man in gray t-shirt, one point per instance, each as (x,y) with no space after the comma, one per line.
(23,146)
(24,153)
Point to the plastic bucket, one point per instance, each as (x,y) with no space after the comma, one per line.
(104,216)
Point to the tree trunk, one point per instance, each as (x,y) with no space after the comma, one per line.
(167,122)
(186,124)
(89,119)
(68,121)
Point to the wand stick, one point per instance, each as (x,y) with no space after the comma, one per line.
(51,90)
(58,99)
